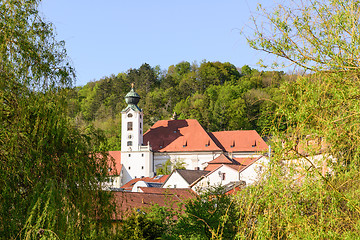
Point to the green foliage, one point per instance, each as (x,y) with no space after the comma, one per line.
(48,181)
(139,226)
(169,166)
(164,170)
(215,94)
(300,200)
(315,35)
(212,215)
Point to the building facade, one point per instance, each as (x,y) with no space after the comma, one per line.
(183,141)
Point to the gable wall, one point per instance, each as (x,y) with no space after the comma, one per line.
(255,171)
(175,179)
(215,179)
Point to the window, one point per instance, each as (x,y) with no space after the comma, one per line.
(129,115)
(129,126)
(129,143)
(129,168)
(129,155)
(142,167)
(223,176)
(140,125)
(142,154)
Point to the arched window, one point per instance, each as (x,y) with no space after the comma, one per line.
(129,115)
(129,126)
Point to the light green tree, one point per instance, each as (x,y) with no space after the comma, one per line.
(49,180)
(320,37)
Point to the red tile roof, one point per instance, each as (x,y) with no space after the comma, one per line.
(217,162)
(238,164)
(223,159)
(239,141)
(181,192)
(188,135)
(179,136)
(157,179)
(114,162)
(128,201)
(243,163)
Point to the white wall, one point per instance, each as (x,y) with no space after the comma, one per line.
(192,160)
(175,180)
(215,178)
(137,185)
(113,182)
(136,164)
(255,172)
(136,134)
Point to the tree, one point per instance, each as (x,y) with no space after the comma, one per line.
(49,184)
(320,35)
(211,215)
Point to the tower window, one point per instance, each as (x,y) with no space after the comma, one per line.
(129,115)
(142,167)
(140,125)
(129,143)
(129,168)
(129,126)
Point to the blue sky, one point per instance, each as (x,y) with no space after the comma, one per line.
(111,36)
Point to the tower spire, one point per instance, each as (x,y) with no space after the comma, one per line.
(132,99)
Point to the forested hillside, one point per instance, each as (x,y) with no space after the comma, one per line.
(219,95)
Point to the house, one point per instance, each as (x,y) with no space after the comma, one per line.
(154,182)
(225,171)
(184,141)
(183,178)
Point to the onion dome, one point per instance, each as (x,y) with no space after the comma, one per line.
(132,99)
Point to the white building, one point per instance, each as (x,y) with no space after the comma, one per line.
(175,140)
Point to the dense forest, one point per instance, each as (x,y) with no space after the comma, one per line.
(219,95)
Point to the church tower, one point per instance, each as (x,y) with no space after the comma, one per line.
(131,123)
(136,158)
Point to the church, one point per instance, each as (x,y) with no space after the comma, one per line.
(183,141)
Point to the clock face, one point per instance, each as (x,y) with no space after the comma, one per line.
(129,136)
